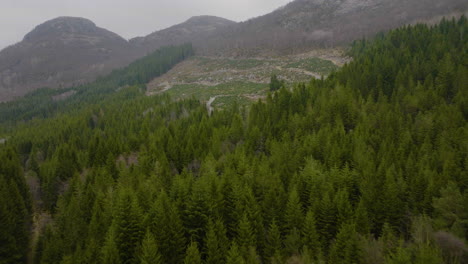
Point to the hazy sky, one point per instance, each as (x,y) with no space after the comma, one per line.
(128,18)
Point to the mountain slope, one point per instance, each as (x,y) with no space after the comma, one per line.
(366,166)
(59,52)
(303,24)
(68,51)
(191,29)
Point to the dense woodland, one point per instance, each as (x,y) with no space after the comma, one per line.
(369,165)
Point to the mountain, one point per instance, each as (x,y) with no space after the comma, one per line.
(303,24)
(68,50)
(195,28)
(60,52)
(366,166)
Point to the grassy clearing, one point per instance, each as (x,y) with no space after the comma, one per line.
(212,64)
(205,92)
(240,81)
(224,102)
(314,65)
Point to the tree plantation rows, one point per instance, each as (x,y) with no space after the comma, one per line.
(367,166)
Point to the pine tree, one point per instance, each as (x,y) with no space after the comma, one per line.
(234,255)
(192,256)
(426,254)
(293,213)
(310,237)
(449,210)
(195,214)
(402,255)
(275,83)
(149,250)
(326,221)
(292,242)
(388,238)
(167,228)
(346,247)
(216,242)
(110,253)
(394,199)
(273,245)
(344,209)
(252,257)
(128,226)
(245,236)
(361,219)
(15,209)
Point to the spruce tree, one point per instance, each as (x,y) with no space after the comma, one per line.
(149,253)
(128,226)
(326,221)
(310,237)
(167,228)
(273,242)
(245,236)
(216,242)
(346,246)
(234,256)
(361,219)
(110,252)
(192,256)
(293,216)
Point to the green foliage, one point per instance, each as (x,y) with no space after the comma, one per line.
(314,65)
(450,211)
(216,242)
(167,227)
(149,250)
(273,243)
(346,248)
(128,227)
(275,83)
(193,255)
(234,256)
(110,253)
(309,234)
(15,210)
(368,165)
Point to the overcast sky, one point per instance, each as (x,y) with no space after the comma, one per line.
(128,18)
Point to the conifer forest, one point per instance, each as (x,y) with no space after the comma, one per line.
(367,165)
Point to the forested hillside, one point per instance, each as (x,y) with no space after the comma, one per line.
(45,103)
(367,166)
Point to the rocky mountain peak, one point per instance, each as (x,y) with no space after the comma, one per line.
(62,25)
(208,20)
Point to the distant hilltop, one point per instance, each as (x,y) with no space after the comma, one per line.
(69,51)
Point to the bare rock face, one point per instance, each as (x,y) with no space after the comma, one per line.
(303,24)
(60,52)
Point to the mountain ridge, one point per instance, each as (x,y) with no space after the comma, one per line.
(306,24)
(90,51)
(38,61)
